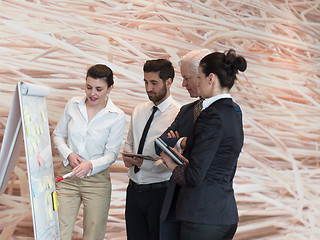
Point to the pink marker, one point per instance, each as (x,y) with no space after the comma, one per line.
(64,176)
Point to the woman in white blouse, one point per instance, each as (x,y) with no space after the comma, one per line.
(88,138)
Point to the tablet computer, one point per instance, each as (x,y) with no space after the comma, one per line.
(139,155)
(169,151)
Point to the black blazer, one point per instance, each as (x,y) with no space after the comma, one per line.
(213,149)
(183,123)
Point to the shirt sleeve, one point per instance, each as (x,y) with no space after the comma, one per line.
(128,145)
(111,148)
(60,135)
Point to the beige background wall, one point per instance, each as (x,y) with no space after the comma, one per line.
(52,43)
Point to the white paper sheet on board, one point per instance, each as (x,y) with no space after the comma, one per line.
(12,138)
(28,121)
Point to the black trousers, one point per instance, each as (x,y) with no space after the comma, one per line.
(192,231)
(143,213)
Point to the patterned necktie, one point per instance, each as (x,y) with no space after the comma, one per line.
(144,135)
(197,109)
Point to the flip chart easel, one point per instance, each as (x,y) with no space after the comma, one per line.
(28,120)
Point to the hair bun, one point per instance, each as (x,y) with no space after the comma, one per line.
(240,63)
(234,63)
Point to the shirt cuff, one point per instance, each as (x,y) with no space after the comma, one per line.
(178,145)
(90,171)
(64,155)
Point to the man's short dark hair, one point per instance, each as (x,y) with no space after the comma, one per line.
(163,66)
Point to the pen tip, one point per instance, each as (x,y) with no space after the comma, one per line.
(59,179)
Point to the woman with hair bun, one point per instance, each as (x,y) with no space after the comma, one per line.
(206,205)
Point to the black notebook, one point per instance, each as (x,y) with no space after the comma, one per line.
(169,151)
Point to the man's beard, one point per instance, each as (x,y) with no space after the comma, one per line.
(159,97)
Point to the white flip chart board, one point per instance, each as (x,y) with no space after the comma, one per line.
(28,121)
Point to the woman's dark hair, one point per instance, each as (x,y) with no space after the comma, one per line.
(163,66)
(101,71)
(225,65)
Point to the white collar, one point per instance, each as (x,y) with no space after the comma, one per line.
(165,104)
(208,101)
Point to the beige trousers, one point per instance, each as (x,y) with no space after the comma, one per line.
(95,194)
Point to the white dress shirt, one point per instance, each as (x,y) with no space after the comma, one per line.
(97,141)
(150,171)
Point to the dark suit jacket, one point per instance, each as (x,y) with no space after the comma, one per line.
(183,123)
(213,149)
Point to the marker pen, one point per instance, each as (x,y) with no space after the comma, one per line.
(64,176)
